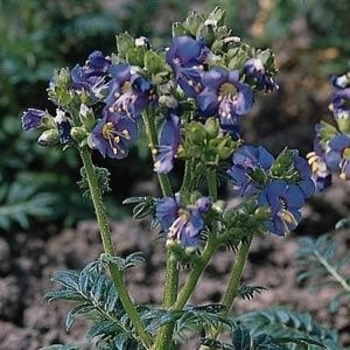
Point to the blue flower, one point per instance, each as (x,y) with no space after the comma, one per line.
(255,69)
(63,127)
(32,118)
(186,57)
(112,135)
(225,96)
(284,202)
(305,182)
(129,92)
(338,156)
(247,161)
(182,224)
(91,77)
(169,142)
(321,175)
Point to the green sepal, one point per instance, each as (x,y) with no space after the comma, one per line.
(59,91)
(125,42)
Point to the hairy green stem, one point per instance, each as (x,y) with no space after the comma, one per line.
(164,336)
(188,178)
(105,232)
(233,284)
(196,273)
(212,183)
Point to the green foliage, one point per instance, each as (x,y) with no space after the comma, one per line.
(20,203)
(287,326)
(324,267)
(247,292)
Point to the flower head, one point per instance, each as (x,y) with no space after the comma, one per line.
(245,161)
(129,93)
(255,69)
(305,182)
(169,142)
(186,57)
(182,224)
(32,118)
(91,77)
(112,135)
(225,96)
(284,202)
(338,156)
(340,105)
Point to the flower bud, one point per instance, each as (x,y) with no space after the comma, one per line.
(78,133)
(48,138)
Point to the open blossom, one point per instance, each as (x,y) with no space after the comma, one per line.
(169,142)
(32,118)
(91,77)
(112,135)
(284,202)
(225,96)
(129,92)
(255,69)
(182,224)
(245,161)
(186,57)
(338,156)
(340,105)
(305,182)
(321,174)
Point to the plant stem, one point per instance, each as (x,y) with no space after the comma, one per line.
(151,132)
(196,273)
(164,336)
(236,275)
(188,176)
(212,183)
(105,232)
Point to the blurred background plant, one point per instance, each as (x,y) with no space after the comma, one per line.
(39,36)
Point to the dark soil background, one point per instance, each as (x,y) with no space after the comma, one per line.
(286,118)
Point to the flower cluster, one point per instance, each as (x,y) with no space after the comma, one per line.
(281,185)
(194,94)
(332,141)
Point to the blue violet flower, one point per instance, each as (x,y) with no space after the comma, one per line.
(112,135)
(186,57)
(182,224)
(284,202)
(245,161)
(129,93)
(32,118)
(225,96)
(169,142)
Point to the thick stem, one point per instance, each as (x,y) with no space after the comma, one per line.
(105,232)
(196,273)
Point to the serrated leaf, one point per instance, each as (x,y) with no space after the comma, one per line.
(241,338)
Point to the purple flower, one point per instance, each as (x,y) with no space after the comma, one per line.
(305,183)
(129,92)
(248,161)
(338,156)
(182,224)
(224,95)
(32,118)
(255,69)
(92,76)
(341,103)
(112,135)
(321,175)
(169,142)
(186,56)
(63,127)
(284,202)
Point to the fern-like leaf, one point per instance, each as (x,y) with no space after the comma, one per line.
(286,326)
(19,203)
(323,266)
(247,292)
